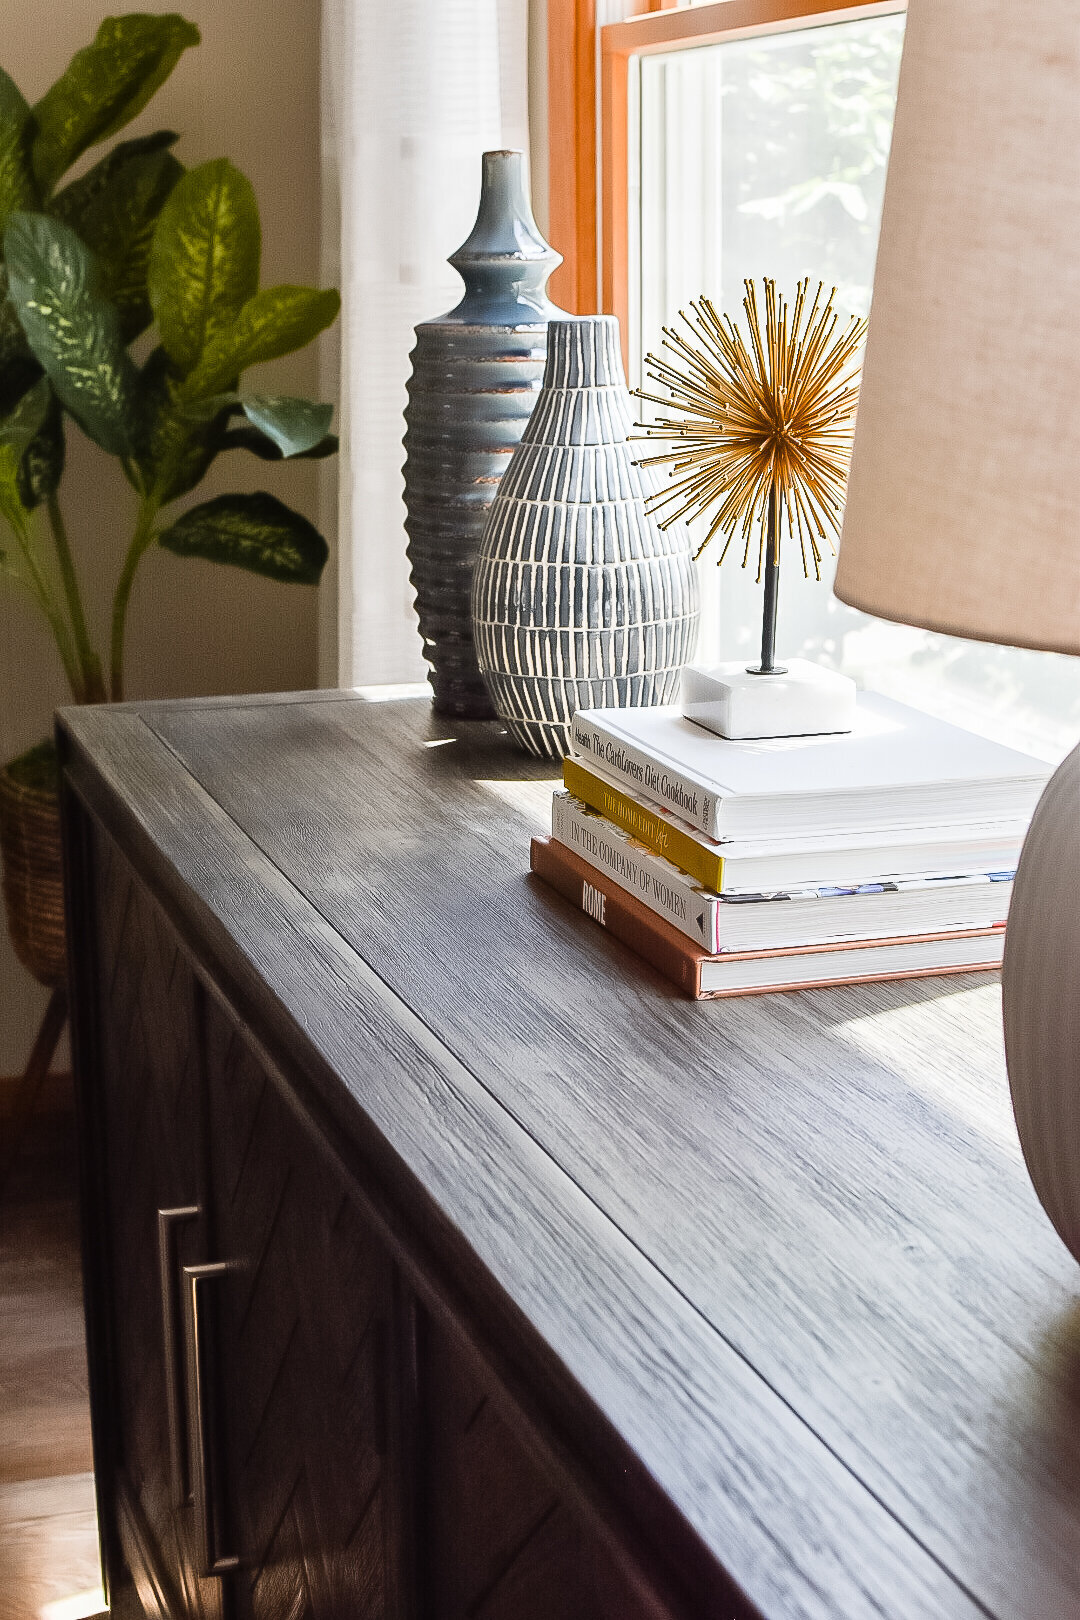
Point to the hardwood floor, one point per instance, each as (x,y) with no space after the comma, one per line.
(48,1530)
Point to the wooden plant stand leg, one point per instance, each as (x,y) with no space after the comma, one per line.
(48,1038)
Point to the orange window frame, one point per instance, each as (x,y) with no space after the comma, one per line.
(588,201)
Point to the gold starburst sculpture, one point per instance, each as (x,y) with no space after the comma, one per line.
(764,423)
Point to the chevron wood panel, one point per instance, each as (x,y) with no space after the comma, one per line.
(300,1367)
(154,1105)
(317,1493)
(500,1543)
(302,1333)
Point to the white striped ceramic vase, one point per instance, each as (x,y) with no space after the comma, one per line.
(579,599)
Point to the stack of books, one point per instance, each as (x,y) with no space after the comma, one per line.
(787,863)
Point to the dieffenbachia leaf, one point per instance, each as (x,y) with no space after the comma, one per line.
(114,208)
(104,87)
(289,426)
(18,368)
(21,426)
(173,447)
(17,188)
(11,507)
(42,464)
(296,426)
(274,322)
(249,438)
(73,330)
(204,259)
(72,203)
(256,532)
(282,427)
(17,431)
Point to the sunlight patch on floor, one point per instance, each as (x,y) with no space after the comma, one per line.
(79,1606)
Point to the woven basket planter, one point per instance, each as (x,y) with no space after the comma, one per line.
(32,872)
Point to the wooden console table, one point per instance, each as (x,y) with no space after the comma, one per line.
(443,1261)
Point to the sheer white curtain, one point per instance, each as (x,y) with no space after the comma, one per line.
(414,92)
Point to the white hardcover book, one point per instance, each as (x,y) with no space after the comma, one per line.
(673,895)
(897,769)
(851,964)
(781,919)
(809,860)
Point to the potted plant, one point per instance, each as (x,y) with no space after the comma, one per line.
(135,245)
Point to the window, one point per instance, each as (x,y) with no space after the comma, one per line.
(744,138)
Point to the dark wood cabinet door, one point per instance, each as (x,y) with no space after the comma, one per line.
(302,1317)
(155,1193)
(498,1540)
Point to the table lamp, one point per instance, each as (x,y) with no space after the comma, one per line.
(961,511)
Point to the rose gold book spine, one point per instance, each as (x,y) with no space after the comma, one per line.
(631,922)
(676,956)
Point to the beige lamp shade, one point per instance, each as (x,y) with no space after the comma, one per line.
(963,506)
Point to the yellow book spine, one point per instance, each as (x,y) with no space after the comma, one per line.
(647,826)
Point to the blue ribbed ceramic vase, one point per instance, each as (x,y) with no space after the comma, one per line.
(476,377)
(579,599)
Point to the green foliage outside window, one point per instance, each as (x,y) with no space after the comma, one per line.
(807,121)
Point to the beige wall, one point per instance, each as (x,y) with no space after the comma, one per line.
(248,92)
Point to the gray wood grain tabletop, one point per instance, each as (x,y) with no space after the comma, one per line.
(783,1248)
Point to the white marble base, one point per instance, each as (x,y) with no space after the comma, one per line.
(805,701)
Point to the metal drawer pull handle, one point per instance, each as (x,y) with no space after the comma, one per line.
(168,1221)
(204,1457)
